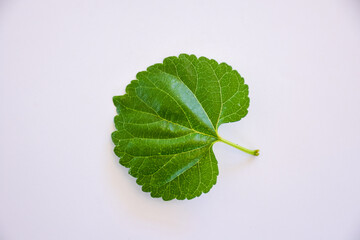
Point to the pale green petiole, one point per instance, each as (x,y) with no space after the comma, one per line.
(252,152)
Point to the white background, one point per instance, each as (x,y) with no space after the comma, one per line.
(61,62)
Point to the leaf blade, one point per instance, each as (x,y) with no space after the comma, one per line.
(167,124)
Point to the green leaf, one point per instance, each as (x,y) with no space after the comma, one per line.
(167,124)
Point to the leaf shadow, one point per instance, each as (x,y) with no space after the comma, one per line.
(240,165)
(129,199)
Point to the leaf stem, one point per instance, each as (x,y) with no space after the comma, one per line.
(252,152)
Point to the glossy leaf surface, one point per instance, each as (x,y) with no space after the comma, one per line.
(167,124)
